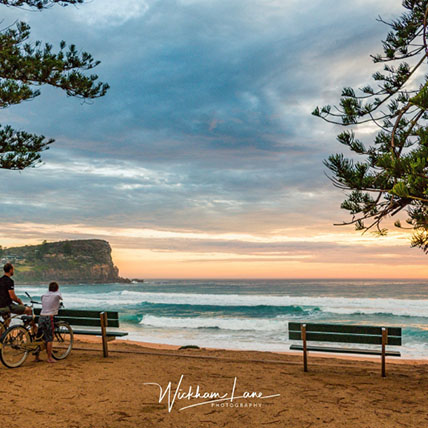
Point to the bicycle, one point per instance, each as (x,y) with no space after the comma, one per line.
(19,340)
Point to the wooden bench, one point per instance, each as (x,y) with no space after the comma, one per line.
(98,321)
(353,334)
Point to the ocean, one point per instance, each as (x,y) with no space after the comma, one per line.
(252,314)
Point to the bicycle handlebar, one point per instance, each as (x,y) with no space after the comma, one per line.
(61,305)
(31,300)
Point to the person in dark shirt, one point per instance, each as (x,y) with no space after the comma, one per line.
(9,301)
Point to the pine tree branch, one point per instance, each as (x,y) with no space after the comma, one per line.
(38,4)
(24,66)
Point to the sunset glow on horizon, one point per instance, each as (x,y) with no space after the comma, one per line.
(334,253)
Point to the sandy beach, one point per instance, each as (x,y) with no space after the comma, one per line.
(89,391)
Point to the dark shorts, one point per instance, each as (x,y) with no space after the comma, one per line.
(46,327)
(17,309)
(12,308)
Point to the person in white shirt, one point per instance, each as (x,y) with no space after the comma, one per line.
(50,306)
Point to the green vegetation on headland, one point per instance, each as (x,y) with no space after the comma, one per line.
(80,261)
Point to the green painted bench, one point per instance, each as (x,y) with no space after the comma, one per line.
(97,321)
(353,334)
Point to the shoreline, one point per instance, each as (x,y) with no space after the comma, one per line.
(296,354)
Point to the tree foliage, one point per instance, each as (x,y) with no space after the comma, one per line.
(392,174)
(38,4)
(24,68)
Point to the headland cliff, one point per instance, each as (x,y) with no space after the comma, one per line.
(76,261)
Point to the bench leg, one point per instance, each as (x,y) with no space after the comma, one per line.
(103,319)
(384,343)
(305,350)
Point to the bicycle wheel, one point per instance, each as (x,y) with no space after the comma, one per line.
(62,340)
(16,342)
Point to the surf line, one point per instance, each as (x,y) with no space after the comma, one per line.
(211,397)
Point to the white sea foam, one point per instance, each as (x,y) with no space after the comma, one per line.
(80,298)
(335,305)
(180,338)
(254,324)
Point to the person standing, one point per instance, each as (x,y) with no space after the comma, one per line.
(50,306)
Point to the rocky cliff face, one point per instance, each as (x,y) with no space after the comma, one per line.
(80,261)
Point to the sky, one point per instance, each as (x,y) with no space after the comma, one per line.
(203,159)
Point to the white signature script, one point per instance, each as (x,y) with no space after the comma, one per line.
(211,397)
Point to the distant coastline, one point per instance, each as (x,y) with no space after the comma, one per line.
(70,262)
(77,283)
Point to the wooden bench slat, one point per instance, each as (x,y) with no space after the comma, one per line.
(80,313)
(90,322)
(87,314)
(348,329)
(87,321)
(344,338)
(98,333)
(345,350)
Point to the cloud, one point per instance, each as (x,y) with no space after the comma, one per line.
(109,13)
(207,124)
